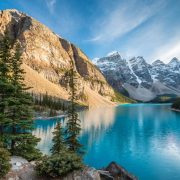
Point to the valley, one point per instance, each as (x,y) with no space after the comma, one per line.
(65,115)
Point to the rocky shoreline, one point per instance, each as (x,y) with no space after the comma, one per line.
(177,110)
(23,170)
(48,117)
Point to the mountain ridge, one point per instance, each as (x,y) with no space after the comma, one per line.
(142,81)
(47,57)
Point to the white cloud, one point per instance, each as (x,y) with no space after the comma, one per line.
(158,39)
(155,43)
(123,19)
(51,5)
(169,51)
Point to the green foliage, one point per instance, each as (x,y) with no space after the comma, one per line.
(65,154)
(73,122)
(26,147)
(43,101)
(4,161)
(121,98)
(62,161)
(16,104)
(59,164)
(176,104)
(5,85)
(166,98)
(58,140)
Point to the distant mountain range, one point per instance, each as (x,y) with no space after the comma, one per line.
(140,80)
(47,57)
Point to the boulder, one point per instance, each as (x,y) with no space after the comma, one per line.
(21,169)
(87,173)
(117,172)
(105,175)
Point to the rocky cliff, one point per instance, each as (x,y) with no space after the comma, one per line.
(47,57)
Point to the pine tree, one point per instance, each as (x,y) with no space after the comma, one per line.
(20,112)
(4,161)
(62,161)
(73,122)
(5,86)
(58,140)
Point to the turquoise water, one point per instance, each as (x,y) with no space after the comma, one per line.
(143,138)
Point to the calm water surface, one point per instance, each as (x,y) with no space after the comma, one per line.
(143,138)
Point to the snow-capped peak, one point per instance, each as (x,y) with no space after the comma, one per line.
(174,64)
(95,60)
(174,61)
(113,53)
(158,62)
(136,76)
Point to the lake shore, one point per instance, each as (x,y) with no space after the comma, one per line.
(22,169)
(102,126)
(47,118)
(177,110)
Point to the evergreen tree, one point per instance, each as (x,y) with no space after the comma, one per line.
(73,122)
(5,86)
(4,161)
(58,140)
(20,112)
(62,161)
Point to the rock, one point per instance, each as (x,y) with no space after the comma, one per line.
(118,172)
(17,162)
(86,174)
(105,175)
(21,169)
(140,80)
(47,57)
(28,173)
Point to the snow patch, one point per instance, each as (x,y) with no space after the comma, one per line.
(130,67)
(113,53)
(95,60)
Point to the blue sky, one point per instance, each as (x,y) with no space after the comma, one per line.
(149,28)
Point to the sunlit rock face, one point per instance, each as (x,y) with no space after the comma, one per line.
(50,56)
(142,81)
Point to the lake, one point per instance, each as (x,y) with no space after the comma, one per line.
(143,138)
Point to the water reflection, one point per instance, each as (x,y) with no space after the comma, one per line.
(99,118)
(143,138)
(94,123)
(43,130)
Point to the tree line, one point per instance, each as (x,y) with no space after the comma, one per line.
(176,104)
(45,102)
(16,119)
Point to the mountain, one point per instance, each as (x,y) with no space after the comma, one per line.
(47,57)
(140,80)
